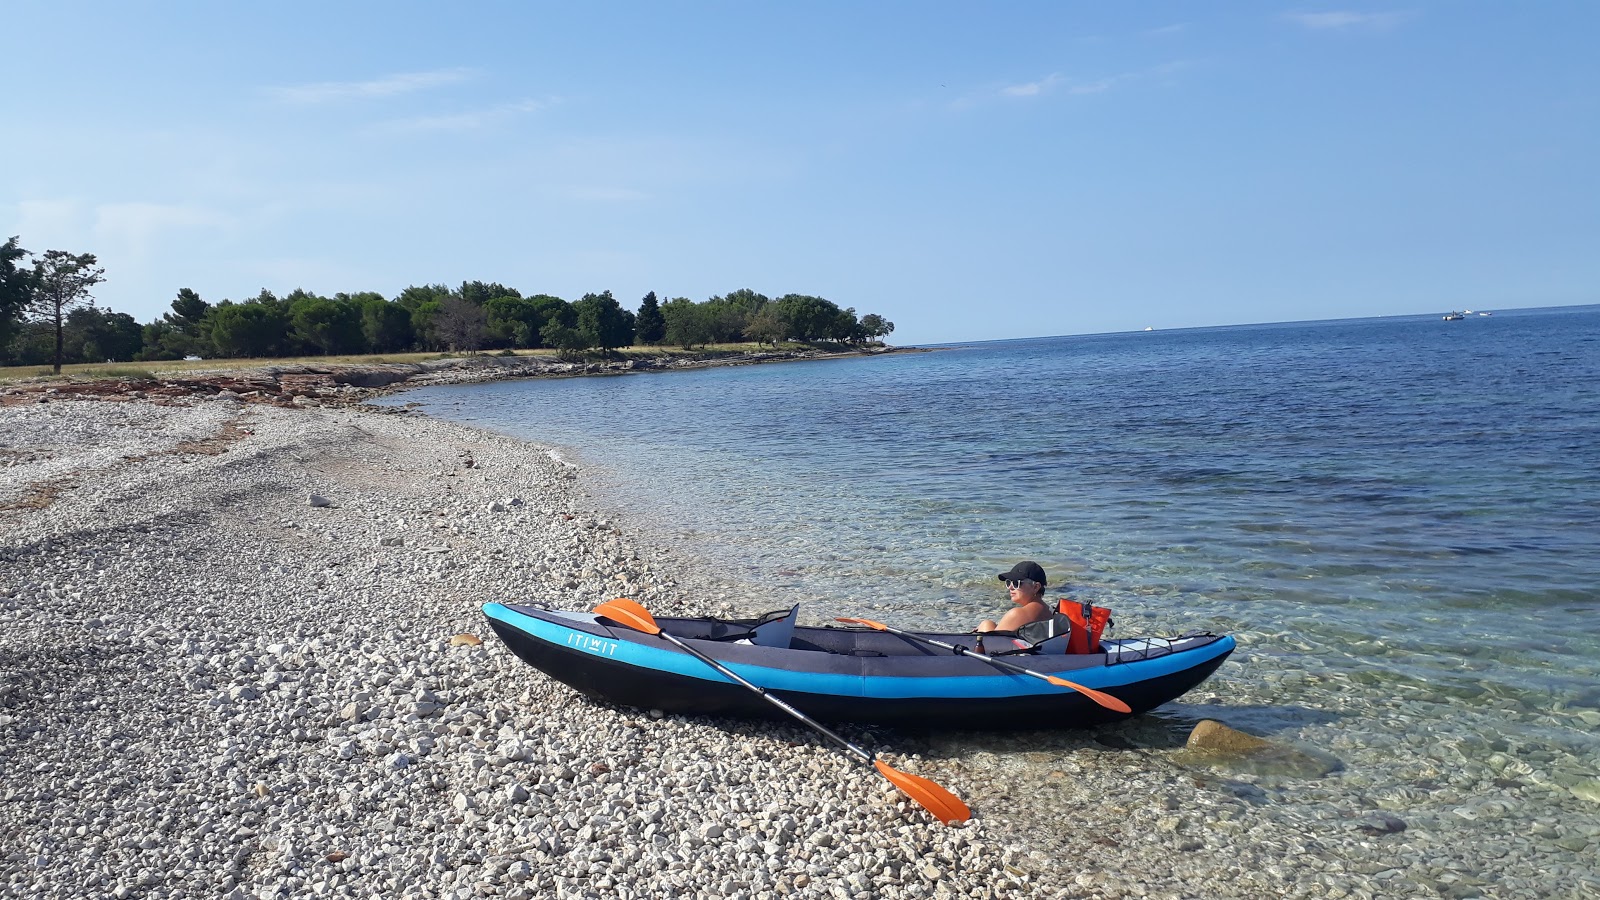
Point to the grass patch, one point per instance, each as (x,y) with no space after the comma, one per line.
(180,367)
(39,495)
(132,370)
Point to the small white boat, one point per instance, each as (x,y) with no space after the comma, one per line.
(1453,317)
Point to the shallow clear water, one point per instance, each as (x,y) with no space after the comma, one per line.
(1399,510)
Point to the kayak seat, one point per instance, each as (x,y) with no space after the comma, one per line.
(773,629)
(1048,636)
(776,629)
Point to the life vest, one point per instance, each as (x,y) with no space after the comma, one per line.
(1087,624)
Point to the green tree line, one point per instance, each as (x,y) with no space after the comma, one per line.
(48,316)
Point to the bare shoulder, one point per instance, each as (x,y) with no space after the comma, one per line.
(1022,615)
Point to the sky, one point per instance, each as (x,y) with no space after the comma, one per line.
(970,171)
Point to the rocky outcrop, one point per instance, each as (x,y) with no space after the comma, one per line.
(1215,745)
(341,384)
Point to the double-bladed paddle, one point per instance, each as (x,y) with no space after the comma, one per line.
(1100,697)
(944,806)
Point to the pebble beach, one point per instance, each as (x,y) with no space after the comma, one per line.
(242,657)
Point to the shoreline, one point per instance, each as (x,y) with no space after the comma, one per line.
(339,384)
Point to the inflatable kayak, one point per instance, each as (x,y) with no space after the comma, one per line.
(848,674)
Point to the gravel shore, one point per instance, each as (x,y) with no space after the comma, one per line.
(240,657)
(213,688)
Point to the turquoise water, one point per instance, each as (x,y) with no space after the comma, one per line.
(1403,501)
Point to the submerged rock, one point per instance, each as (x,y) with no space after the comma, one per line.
(1218,746)
(1211,735)
(1380,823)
(1585,789)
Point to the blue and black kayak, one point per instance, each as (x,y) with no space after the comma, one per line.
(847,674)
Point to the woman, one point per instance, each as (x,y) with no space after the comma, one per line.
(1025,583)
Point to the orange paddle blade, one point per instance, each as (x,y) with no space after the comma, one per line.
(630,614)
(945,806)
(1100,697)
(867,622)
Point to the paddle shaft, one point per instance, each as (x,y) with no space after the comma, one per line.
(963,651)
(855,751)
(1101,697)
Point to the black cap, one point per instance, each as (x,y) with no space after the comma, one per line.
(1027,569)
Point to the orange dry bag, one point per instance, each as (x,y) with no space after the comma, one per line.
(1087,624)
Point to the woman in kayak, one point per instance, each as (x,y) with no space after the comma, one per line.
(1025,583)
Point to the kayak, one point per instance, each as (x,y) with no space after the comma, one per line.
(848,674)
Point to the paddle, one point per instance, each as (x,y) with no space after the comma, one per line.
(944,806)
(1100,697)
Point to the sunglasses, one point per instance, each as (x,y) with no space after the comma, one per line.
(1017,583)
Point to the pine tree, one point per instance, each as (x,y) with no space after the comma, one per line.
(650,326)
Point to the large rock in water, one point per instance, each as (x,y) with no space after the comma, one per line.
(1216,737)
(1215,744)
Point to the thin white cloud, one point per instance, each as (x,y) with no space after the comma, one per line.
(1167,30)
(1342,20)
(1056,83)
(1032,88)
(470,120)
(387,86)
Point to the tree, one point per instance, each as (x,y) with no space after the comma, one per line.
(724,321)
(461,325)
(385,326)
(424,304)
(554,309)
(61,281)
(650,328)
(250,329)
(517,321)
(844,327)
(479,293)
(188,311)
(331,326)
(810,318)
(603,322)
(875,326)
(93,335)
(562,337)
(14,290)
(767,326)
(745,300)
(415,296)
(686,322)
(163,340)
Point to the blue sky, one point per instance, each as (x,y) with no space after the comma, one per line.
(969,170)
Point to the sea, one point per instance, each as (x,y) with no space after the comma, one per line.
(1398,518)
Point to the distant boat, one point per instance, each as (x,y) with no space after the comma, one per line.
(1453,317)
(1148,328)
(1485,314)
